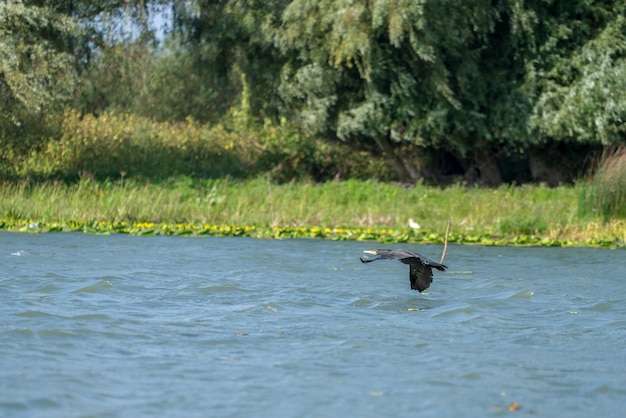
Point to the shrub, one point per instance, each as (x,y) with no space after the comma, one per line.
(124,145)
(115,145)
(290,155)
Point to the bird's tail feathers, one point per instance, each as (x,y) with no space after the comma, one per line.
(440,267)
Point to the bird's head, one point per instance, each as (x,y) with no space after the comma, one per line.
(377,252)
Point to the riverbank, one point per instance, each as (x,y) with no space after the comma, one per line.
(523,215)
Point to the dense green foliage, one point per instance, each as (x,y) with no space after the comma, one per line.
(581,77)
(461,88)
(114,146)
(36,61)
(417,73)
(444,91)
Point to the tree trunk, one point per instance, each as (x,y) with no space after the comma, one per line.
(550,166)
(489,172)
(484,169)
(405,168)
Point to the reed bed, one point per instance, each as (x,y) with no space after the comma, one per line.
(367,210)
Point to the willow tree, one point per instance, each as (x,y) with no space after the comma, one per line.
(229,40)
(467,83)
(410,79)
(36,66)
(45,43)
(580,74)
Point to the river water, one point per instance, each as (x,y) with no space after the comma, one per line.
(108,326)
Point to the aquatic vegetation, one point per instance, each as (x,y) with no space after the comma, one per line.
(338,210)
(384,235)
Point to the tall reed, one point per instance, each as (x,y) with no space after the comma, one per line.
(604,193)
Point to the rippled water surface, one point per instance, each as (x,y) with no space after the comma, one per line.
(119,325)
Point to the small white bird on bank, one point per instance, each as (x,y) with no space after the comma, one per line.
(414,224)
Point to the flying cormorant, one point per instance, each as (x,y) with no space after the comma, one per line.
(420,267)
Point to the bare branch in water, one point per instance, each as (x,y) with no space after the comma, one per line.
(445,243)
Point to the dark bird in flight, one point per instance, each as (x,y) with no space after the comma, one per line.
(420,267)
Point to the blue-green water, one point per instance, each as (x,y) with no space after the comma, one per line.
(169,326)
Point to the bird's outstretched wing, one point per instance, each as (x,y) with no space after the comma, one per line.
(405,257)
(421,277)
(420,267)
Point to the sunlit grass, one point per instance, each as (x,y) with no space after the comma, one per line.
(534,215)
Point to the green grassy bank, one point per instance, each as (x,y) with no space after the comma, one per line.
(526,215)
